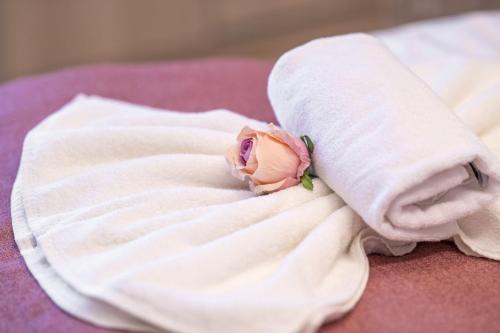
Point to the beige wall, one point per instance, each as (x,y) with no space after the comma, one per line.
(42,35)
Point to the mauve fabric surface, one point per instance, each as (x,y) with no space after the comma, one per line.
(435,288)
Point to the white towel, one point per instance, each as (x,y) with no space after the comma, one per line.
(129,218)
(118,236)
(134,212)
(384,141)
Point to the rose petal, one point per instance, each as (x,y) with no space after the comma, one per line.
(252,160)
(245,150)
(296,144)
(232,158)
(276,161)
(273,187)
(246,132)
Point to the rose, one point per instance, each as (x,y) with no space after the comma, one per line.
(271,161)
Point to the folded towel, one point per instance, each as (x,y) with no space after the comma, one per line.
(129,217)
(383,140)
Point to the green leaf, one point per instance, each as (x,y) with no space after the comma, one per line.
(307,181)
(309,144)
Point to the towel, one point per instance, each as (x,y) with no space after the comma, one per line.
(129,218)
(384,141)
(135,213)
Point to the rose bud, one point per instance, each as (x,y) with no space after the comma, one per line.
(271,161)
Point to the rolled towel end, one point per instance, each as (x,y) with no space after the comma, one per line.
(385,142)
(429,209)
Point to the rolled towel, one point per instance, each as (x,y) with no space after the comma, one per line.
(383,140)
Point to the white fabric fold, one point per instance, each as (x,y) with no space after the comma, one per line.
(384,141)
(135,213)
(129,218)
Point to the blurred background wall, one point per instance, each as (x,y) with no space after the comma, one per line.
(42,35)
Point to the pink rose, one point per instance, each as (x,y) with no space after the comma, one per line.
(271,161)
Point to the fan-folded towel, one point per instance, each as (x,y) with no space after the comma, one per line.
(383,140)
(129,217)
